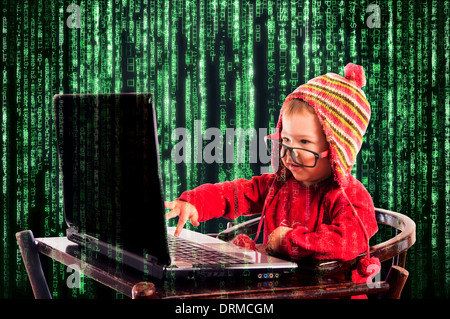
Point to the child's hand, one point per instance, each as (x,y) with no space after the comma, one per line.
(276,237)
(185,211)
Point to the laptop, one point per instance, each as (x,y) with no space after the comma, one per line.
(113,199)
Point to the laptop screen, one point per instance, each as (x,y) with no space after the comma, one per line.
(109,159)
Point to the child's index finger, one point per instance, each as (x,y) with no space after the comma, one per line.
(181,222)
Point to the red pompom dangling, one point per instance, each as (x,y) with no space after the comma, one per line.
(355,73)
(244,241)
(368,266)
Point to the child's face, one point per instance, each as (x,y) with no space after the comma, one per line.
(303,129)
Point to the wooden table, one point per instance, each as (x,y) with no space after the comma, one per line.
(302,285)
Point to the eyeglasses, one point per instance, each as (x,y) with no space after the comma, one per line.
(300,156)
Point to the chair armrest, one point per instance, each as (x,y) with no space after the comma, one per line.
(396,278)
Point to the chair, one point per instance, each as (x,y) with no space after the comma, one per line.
(394,248)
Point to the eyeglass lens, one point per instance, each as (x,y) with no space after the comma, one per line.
(299,156)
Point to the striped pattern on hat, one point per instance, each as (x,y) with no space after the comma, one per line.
(343,111)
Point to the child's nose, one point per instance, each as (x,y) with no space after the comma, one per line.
(288,157)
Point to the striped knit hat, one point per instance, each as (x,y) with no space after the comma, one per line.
(343,111)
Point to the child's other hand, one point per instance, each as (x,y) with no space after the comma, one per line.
(276,238)
(185,211)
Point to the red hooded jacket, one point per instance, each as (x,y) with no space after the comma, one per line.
(324,225)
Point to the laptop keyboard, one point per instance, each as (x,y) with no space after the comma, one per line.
(199,255)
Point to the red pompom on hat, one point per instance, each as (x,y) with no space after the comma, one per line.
(245,242)
(368,266)
(355,73)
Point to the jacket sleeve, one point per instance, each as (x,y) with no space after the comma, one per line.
(342,239)
(229,199)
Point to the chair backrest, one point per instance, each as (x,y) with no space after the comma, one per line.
(401,242)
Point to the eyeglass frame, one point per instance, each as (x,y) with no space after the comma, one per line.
(317,156)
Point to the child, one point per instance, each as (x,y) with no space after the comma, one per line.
(311,205)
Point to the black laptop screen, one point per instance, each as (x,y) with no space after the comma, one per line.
(110,166)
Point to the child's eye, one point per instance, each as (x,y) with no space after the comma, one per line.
(304,141)
(284,139)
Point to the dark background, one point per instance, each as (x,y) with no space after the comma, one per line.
(229,64)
